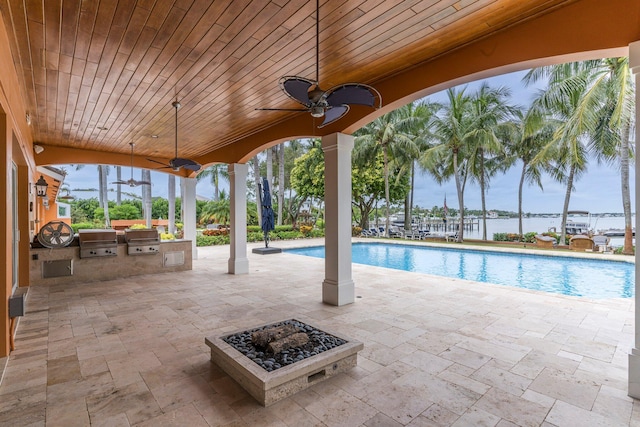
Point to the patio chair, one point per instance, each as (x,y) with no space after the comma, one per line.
(602,243)
(545,242)
(451,236)
(580,242)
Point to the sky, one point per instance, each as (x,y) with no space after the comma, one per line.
(597,191)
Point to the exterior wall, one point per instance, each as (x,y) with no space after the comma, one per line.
(106,268)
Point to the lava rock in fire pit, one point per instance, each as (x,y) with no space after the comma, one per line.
(271,357)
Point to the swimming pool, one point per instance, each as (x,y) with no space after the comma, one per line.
(591,278)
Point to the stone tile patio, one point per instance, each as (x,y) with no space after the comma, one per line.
(438,352)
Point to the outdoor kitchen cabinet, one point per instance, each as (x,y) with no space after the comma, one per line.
(65,265)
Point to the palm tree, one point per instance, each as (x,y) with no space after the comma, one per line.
(171,194)
(256,184)
(566,97)
(146,196)
(415,120)
(118,188)
(103,172)
(281,183)
(447,157)
(386,135)
(214,172)
(612,90)
(490,110)
(218,211)
(525,137)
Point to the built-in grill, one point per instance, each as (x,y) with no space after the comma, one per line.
(97,243)
(142,241)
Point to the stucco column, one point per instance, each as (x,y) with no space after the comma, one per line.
(634,356)
(238,261)
(338,286)
(188,207)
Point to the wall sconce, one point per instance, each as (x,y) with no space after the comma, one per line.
(38,149)
(41,187)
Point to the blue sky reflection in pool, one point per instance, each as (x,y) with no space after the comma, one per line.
(563,275)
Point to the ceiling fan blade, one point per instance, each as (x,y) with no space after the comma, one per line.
(333,114)
(353,93)
(160,163)
(297,88)
(282,109)
(120,182)
(137,183)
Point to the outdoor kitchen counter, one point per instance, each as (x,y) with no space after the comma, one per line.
(64,265)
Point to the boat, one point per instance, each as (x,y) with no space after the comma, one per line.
(616,232)
(574,227)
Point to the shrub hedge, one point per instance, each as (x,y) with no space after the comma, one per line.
(254,234)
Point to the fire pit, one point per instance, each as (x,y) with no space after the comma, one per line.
(274,361)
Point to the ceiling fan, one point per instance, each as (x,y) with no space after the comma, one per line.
(331,104)
(177,162)
(132,182)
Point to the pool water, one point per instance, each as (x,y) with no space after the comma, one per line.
(590,278)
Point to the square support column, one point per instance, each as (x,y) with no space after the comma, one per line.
(188,206)
(338,287)
(238,261)
(634,356)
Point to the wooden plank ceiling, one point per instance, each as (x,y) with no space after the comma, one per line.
(100,74)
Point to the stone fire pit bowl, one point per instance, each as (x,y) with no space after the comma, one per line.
(269,387)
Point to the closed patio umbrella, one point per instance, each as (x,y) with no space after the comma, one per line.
(267,211)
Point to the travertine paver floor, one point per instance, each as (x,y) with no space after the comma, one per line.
(438,351)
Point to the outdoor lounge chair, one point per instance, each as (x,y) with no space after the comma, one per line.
(581,242)
(602,243)
(545,242)
(412,234)
(451,236)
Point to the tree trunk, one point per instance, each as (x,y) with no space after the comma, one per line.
(105,195)
(280,182)
(627,248)
(256,179)
(520,187)
(456,174)
(386,190)
(216,183)
(408,206)
(567,197)
(482,198)
(101,187)
(146,197)
(118,187)
(270,167)
(172,204)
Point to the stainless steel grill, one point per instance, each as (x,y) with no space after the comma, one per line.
(142,242)
(97,243)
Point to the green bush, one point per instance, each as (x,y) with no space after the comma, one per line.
(500,237)
(212,240)
(316,233)
(254,229)
(255,236)
(530,237)
(138,227)
(280,228)
(286,235)
(82,226)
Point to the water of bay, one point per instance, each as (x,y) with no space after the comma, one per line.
(540,225)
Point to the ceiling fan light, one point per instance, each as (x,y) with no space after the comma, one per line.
(317,111)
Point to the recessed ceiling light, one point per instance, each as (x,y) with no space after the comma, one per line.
(154,136)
